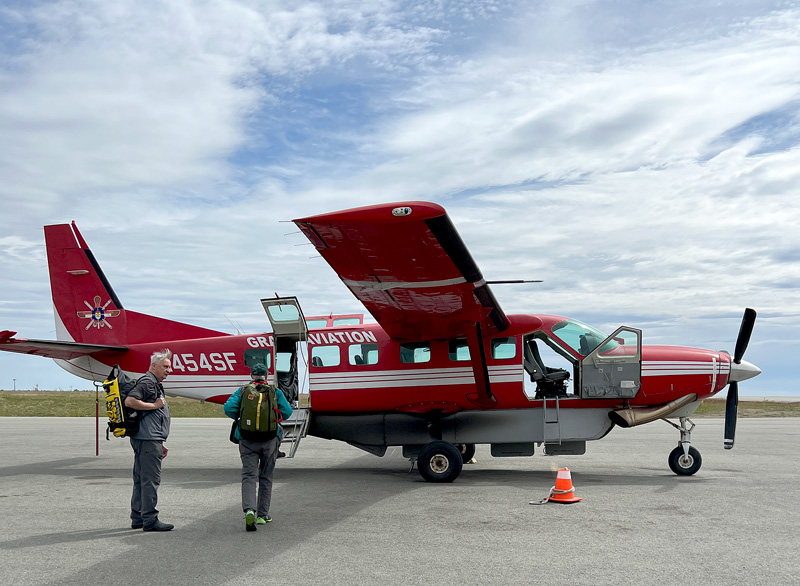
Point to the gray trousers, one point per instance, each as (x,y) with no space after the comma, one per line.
(146,479)
(258,464)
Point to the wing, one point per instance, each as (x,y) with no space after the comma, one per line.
(51,348)
(409,267)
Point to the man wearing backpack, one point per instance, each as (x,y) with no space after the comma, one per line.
(147,397)
(258,407)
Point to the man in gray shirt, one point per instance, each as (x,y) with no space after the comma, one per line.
(149,447)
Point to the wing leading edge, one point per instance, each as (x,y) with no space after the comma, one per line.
(409,267)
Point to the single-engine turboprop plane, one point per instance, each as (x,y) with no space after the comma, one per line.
(442,370)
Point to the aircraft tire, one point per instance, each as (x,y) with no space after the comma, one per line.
(467,452)
(439,462)
(682,466)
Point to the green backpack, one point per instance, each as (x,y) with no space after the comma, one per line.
(259,414)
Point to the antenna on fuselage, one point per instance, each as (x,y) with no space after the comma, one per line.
(238,331)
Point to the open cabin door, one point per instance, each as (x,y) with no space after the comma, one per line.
(613,370)
(289,328)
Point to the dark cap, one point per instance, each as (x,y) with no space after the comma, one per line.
(258,370)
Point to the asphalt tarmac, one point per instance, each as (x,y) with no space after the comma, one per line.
(342,516)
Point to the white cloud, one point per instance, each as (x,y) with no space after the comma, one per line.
(606,148)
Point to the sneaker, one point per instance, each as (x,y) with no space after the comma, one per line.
(250,520)
(263,520)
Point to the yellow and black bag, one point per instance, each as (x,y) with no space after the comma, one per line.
(122,421)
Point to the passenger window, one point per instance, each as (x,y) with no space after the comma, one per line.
(459,350)
(325,356)
(415,352)
(503,348)
(254,356)
(363,354)
(346,321)
(315,324)
(283,362)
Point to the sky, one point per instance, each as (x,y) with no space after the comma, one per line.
(641,158)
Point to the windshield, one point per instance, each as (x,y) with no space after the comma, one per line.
(581,337)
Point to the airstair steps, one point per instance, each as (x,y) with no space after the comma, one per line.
(294,429)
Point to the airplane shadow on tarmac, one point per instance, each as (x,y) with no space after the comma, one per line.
(210,544)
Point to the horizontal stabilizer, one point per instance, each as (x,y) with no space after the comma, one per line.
(52,348)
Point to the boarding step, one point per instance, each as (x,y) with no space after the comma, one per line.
(551,425)
(294,429)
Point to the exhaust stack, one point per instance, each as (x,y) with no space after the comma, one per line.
(631,417)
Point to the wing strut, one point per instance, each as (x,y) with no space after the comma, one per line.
(483,396)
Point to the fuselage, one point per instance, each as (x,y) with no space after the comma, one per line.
(359,368)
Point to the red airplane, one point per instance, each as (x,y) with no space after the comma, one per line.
(444,368)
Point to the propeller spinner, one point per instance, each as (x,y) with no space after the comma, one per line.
(740,370)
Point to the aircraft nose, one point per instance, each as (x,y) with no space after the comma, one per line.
(743,371)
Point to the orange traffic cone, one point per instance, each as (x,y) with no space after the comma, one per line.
(562,492)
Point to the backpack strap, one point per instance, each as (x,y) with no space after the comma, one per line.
(278,414)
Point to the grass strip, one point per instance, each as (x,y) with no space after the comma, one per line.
(82,404)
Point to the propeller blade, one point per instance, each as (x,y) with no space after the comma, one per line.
(748,320)
(731,411)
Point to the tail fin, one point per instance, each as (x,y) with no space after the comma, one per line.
(87,309)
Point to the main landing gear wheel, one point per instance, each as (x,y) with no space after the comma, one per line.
(683,464)
(467,452)
(439,462)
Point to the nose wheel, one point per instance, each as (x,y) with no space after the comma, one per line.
(685,464)
(684,460)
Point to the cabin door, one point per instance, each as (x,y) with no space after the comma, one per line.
(613,370)
(289,328)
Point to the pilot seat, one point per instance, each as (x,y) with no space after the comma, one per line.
(550,382)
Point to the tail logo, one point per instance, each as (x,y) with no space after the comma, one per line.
(97,315)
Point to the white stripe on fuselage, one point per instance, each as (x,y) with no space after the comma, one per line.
(684,367)
(330,381)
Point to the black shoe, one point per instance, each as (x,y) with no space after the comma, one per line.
(158,526)
(281,454)
(136,525)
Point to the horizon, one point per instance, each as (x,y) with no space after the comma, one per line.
(642,159)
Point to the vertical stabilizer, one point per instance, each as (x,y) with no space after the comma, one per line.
(88,310)
(86,307)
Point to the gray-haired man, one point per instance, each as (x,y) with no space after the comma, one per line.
(147,397)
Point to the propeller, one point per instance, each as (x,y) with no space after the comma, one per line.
(732,403)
